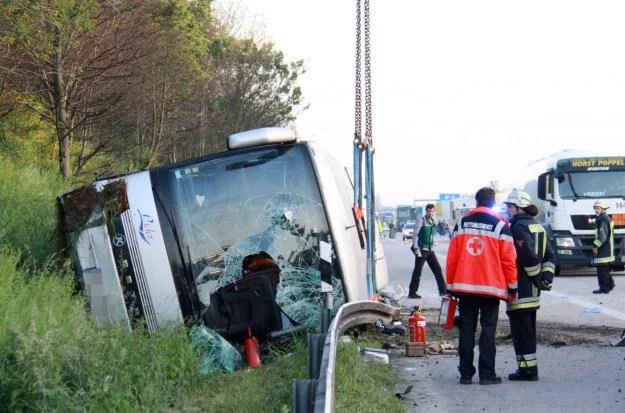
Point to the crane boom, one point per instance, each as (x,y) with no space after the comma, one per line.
(365,146)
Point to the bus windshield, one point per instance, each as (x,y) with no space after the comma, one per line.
(578,185)
(229,207)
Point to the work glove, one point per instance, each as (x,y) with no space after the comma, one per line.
(545,285)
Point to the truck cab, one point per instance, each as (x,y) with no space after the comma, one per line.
(568,190)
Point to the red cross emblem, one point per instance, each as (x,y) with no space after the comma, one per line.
(475,246)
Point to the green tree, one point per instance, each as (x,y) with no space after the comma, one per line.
(256,86)
(251,86)
(172,73)
(26,139)
(69,55)
(131,84)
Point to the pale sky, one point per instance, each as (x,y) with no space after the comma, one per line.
(464,92)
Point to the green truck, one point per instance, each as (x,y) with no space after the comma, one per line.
(407,213)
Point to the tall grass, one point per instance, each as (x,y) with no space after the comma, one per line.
(28,209)
(53,359)
(364,387)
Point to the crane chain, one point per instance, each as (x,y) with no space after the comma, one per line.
(368,120)
(358,108)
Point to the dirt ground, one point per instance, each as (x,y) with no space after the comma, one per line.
(558,334)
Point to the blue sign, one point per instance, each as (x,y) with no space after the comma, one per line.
(447,197)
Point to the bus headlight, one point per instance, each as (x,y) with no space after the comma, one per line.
(565,242)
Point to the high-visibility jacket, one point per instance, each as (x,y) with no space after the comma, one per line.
(604,240)
(481,259)
(534,261)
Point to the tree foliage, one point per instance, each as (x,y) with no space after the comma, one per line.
(254,86)
(127,84)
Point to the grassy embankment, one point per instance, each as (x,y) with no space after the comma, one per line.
(54,359)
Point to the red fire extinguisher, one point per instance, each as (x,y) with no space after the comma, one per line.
(416,328)
(252,356)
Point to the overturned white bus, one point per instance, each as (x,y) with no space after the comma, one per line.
(221,238)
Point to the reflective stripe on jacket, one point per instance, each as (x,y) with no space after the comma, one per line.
(604,239)
(481,257)
(534,260)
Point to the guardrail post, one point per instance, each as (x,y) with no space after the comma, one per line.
(315,352)
(316,394)
(302,395)
(326,319)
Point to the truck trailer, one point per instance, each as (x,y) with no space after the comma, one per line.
(565,187)
(272,216)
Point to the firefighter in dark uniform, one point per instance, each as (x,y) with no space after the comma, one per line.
(535,270)
(603,248)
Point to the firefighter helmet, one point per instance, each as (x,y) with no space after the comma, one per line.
(519,198)
(601,204)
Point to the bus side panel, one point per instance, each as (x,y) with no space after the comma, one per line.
(151,251)
(99,276)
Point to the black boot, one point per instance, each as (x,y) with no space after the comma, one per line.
(518,376)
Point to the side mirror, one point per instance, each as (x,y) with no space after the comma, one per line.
(544,188)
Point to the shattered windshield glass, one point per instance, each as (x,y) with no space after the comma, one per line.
(575,185)
(263,201)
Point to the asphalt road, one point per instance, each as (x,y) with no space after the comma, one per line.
(581,373)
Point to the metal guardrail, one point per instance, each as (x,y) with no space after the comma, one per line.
(316,394)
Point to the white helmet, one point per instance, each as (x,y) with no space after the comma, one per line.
(519,198)
(601,204)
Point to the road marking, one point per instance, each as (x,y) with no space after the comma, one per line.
(588,306)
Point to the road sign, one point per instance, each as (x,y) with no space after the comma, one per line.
(447,197)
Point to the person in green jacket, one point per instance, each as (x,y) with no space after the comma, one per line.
(603,248)
(423,249)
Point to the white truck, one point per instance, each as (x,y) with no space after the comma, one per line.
(459,207)
(565,186)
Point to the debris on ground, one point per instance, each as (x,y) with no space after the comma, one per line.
(395,327)
(217,352)
(401,395)
(442,348)
(374,355)
(415,350)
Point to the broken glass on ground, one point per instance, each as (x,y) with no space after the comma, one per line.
(217,352)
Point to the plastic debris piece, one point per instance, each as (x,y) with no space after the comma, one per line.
(218,353)
(394,328)
(374,355)
(392,293)
(400,396)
